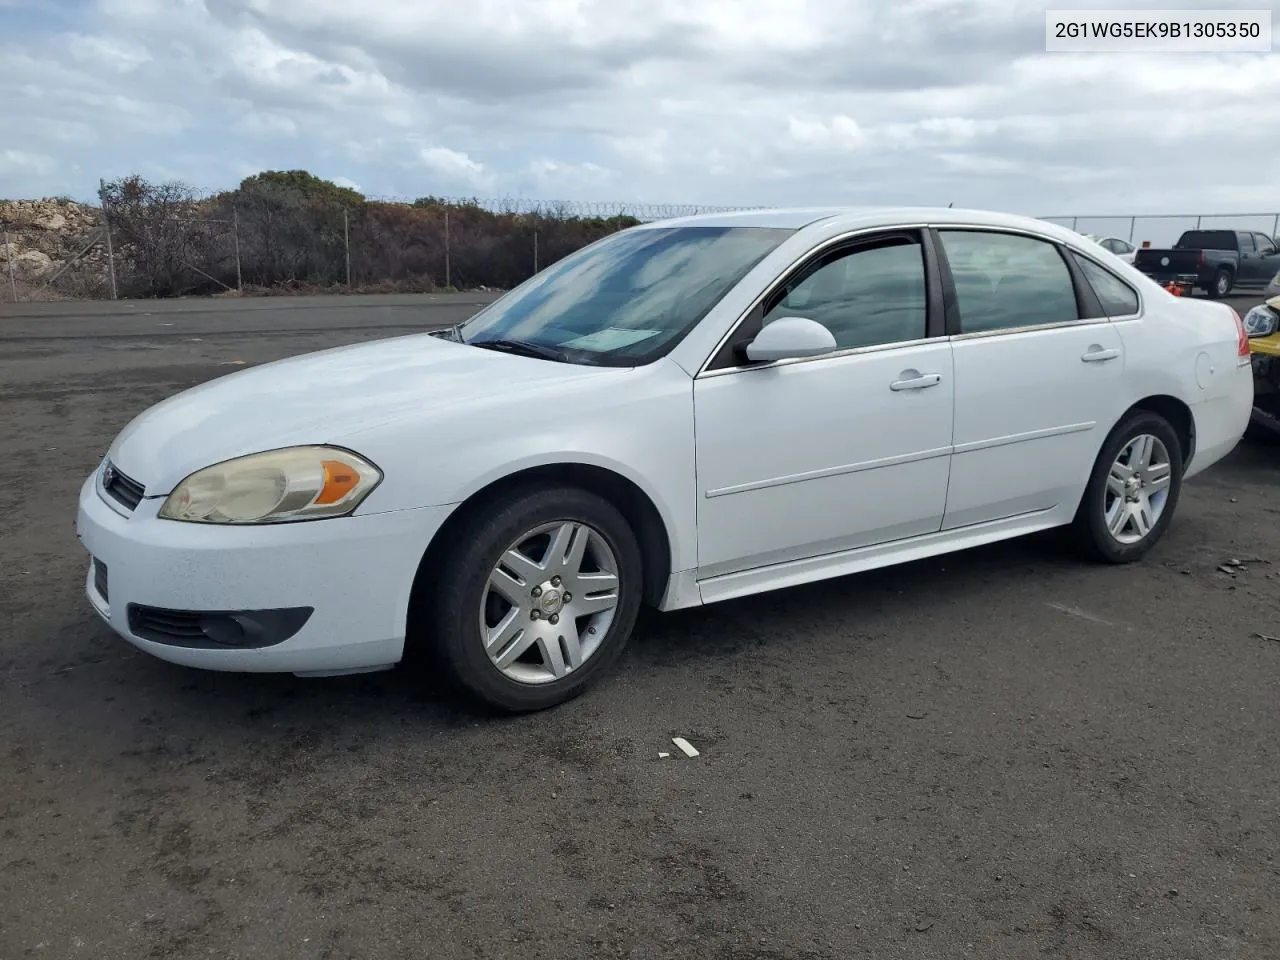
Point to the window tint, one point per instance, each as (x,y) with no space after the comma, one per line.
(1265,247)
(1112,246)
(1123,247)
(1207,240)
(1005,281)
(1117,297)
(865,297)
(1246,244)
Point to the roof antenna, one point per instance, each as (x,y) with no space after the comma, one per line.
(949,205)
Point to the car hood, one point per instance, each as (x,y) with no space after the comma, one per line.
(320,397)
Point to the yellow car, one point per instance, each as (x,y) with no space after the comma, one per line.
(1262,325)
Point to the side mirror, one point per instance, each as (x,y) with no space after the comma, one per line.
(789,337)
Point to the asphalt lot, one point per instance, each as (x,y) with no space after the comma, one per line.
(1004,753)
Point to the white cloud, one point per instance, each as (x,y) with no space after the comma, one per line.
(117,55)
(455,167)
(16,161)
(838,133)
(722,101)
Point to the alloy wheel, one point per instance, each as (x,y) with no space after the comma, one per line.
(1137,489)
(549,601)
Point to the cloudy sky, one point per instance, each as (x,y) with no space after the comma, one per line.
(656,101)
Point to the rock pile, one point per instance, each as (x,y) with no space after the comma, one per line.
(43,235)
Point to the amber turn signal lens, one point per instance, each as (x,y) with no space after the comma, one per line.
(339,480)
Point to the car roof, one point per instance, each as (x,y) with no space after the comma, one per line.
(796,218)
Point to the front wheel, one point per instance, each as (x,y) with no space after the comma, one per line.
(537,598)
(1132,491)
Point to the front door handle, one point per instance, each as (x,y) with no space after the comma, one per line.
(1099,355)
(917,383)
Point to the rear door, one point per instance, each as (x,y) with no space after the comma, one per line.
(1250,269)
(1039,373)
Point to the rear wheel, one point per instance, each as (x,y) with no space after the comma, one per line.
(537,598)
(1133,490)
(1221,285)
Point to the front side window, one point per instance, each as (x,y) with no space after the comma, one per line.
(1004,281)
(1118,299)
(868,296)
(1265,247)
(625,300)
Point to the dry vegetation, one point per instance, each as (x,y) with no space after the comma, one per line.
(281,232)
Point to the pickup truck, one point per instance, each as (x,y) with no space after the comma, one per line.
(1212,260)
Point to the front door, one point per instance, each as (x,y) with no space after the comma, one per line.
(1261,264)
(1038,387)
(809,457)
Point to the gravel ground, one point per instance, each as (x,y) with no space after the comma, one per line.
(1003,753)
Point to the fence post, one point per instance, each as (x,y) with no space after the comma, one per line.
(1074,221)
(235,235)
(106,228)
(448,266)
(1197,223)
(346,241)
(8,255)
(1133,225)
(535,243)
(1275,227)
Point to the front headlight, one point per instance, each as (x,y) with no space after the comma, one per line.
(297,483)
(1261,321)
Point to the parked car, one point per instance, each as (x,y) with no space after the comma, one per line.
(1215,261)
(680,413)
(1262,325)
(1121,248)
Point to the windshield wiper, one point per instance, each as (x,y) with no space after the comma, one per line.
(523,349)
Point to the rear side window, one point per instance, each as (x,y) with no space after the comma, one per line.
(1246,243)
(1004,281)
(1207,240)
(1118,299)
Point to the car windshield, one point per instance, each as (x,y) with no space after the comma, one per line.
(625,300)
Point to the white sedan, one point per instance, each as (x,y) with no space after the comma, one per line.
(680,413)
(1121,248)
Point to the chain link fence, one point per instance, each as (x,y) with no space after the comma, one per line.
(293,233)
(1164,230)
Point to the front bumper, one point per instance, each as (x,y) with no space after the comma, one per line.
(355,575)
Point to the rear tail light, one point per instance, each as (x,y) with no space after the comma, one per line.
(1242,337)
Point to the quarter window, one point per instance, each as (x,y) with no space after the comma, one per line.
(1118,299)
(866,297)
(1004,281)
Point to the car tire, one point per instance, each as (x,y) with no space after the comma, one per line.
(464,599)
(1096,519)
(1221,286)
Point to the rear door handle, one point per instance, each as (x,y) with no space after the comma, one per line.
(917,383)
(1097,356)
